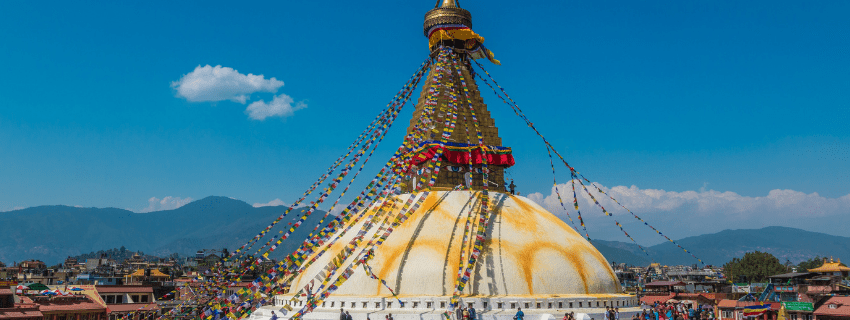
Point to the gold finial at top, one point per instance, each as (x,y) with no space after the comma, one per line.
(448,4)
(447,12)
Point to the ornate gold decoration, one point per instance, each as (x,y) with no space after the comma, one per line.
(447,12)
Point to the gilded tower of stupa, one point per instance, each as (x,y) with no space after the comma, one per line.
(448,12)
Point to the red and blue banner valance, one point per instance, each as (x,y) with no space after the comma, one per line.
(459,153)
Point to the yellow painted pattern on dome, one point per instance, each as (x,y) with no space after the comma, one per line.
(527,252)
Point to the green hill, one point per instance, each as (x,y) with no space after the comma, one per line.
(785,243)
(52,233)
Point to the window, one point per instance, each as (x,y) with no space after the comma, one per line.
(526,305)
(499,305)
(597,304)
(428,305)
(389,304)
(110,299)
(136,298)
(332,304)
(808,316)
(485,305)
(119,299)
(794,316)
(571,305)
(513,305)
(364,305)
(415,305)
(442,304)
(377,305)
(145,298)
(579,304)
(352,304)
(550,305)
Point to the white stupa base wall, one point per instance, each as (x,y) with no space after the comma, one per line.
(265,313)
(432,308)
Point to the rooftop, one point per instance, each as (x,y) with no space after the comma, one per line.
(18,313)
(132,307)
(141,273)
(725,303)
(791,275)
(831,267)
(124,289)
(68,305)
(835,306)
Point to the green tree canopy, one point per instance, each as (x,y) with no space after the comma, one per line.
(754,267)
(812,263)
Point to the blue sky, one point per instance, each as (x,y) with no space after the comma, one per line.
(720,96)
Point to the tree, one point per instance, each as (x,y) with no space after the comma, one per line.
(753,267)
(812,263)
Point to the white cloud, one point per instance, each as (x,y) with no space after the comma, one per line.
(167,203)
(697,212)
(219,83)
(275,202)
(280,106)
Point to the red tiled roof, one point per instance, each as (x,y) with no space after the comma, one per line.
(17,313)
(132,307)
(5,291)
(124,289)
(727,303)
(842,307)
(654,299)
(69,306)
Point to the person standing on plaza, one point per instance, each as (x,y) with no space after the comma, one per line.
(472,314)
(342,314)
(519,314)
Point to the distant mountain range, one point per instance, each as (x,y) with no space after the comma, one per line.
(787,244)
(52,233)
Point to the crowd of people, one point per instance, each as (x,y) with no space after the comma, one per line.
(675,311)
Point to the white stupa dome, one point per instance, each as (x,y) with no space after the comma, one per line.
(528,252)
